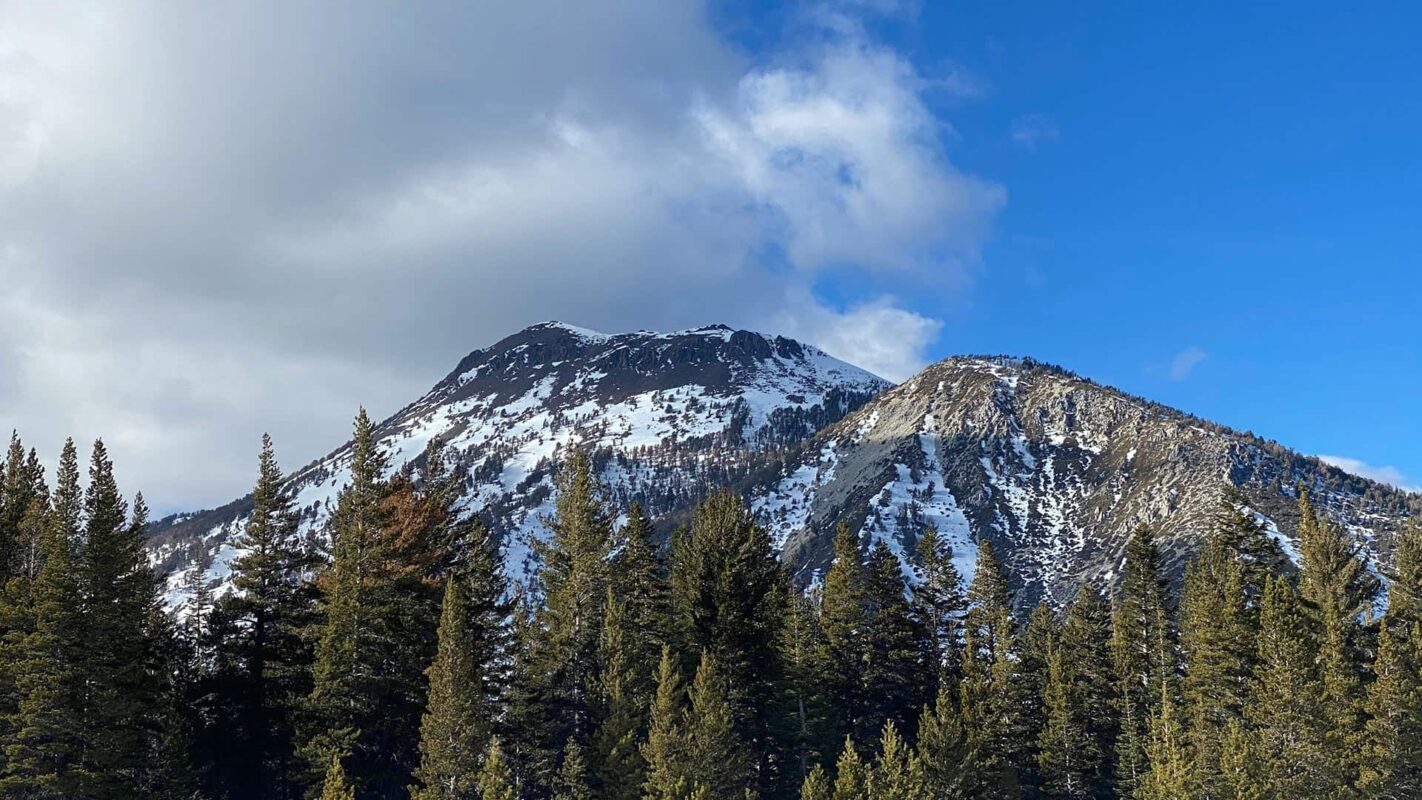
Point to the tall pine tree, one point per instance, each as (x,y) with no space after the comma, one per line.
(992,691)
(1392,743)
(1287,709)
(729,597)
(1143,654)
(43,753)
(1337,590)
(844,620)
(267,614)
(458,720)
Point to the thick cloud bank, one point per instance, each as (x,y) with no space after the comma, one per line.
(220,219)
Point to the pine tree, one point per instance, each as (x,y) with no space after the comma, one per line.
(1168,774)
(495,778)
(378,633)
(943,749)
(808,726)
(1337,590)
(23,508)
(729,598)
(1085,648)
(121,699)
(817,785)
(991,692)
(620,768)
(634,621)
(1142,655)
(897,773)
(639,580)
(456,728)
(844,620)
(1033,648)
(939,603)
(1217,645)
(268,613)
(1404,589)
(343,693)
(1069,751)
(667,748)
(14,504)
(852,774)
(717,758)
(574,781)
(663,750)
(1287,703)
(175,771)
(893,644)
(335,786)
(1243,534)
(575,580)
(1392,750)
(1240,773)
(43,755)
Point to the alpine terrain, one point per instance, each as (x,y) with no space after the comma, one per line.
(1053,469)
(668,417)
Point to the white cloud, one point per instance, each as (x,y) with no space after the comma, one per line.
(844,156)
(1386,474)
(219,219)
(876,335)
(1185,362)
(1034,130)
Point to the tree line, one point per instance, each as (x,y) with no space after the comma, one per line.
(396,662)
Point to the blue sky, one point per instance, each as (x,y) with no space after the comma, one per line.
(1212,205)
(223,219)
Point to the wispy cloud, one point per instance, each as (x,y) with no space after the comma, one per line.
(1185,362)
(1034,130)
(1384,474)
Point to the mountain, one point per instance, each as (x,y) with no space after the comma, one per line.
(667,417)
(1054,469)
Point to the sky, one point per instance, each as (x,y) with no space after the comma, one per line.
(223,219)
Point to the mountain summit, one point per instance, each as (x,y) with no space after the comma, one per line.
(1054,469)
(667,416)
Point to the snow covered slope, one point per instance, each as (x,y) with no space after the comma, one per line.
(1055,470)
(666,416)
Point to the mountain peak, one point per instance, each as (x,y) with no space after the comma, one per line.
(1051,468)
(667,415)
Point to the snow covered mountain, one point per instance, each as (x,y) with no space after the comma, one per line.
(1054,469)
(666,417)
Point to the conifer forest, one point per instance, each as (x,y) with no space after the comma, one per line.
(396,662)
